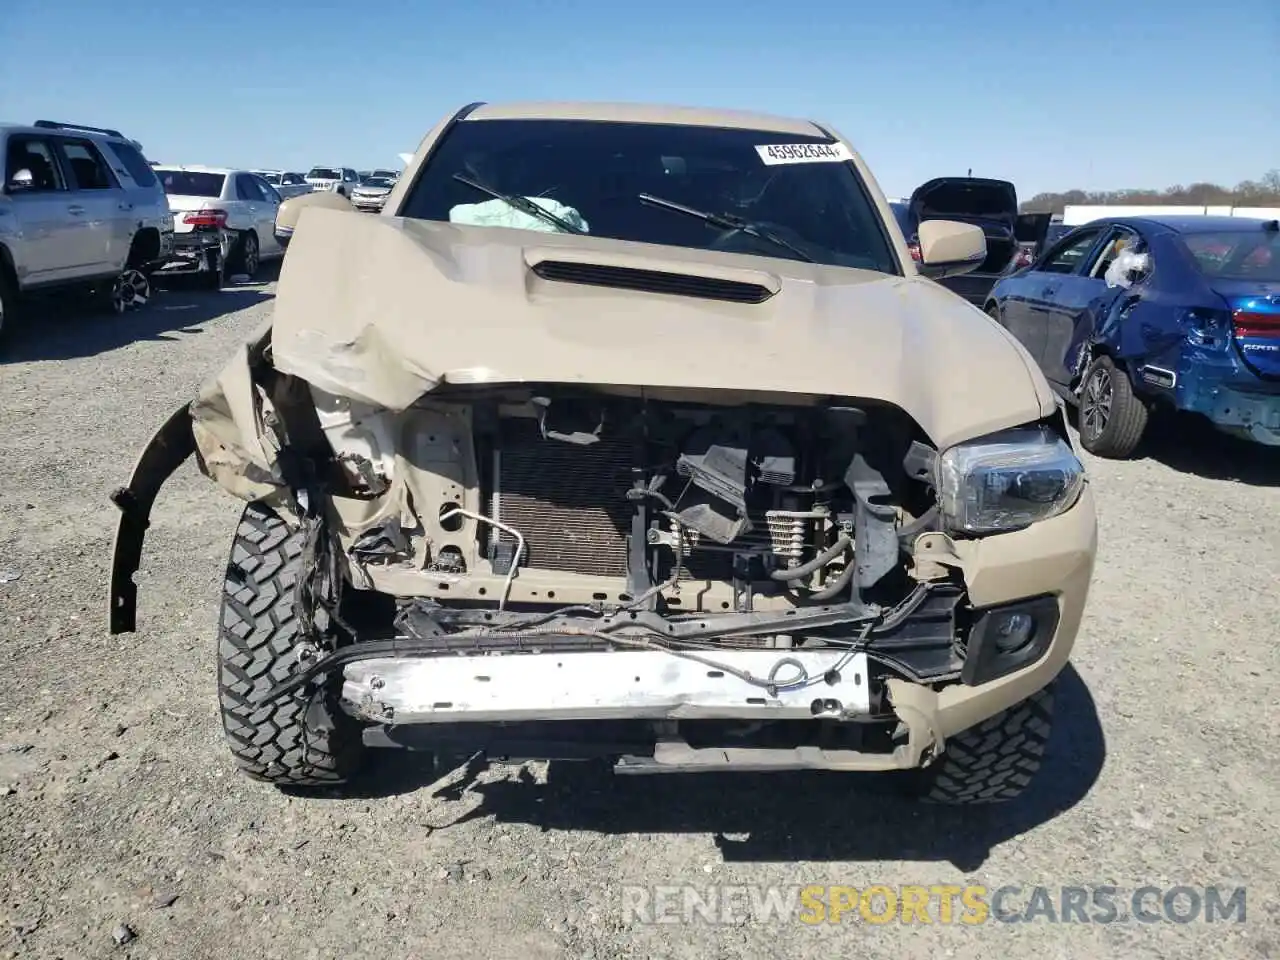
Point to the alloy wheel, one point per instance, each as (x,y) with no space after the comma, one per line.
(251,255)
(1095,409)
(130,291)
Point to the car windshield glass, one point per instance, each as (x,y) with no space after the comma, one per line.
(324,173)
(383,175)
(594,173)
(271,178)
(191,183)
(376,182)
(1237,255)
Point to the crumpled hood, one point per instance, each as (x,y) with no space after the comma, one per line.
(385,309)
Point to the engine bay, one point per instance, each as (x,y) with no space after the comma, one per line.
(545,495)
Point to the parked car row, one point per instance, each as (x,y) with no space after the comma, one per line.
(224,221)
(345,180)
(82,208)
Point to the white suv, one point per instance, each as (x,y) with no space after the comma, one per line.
(338,179)
(238,202)
(79,206)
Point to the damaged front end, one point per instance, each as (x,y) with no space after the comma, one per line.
(687,578)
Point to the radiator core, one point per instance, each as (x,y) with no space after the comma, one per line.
(567,501)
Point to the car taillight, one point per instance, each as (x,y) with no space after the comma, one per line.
(1023,258)
(914,247)
(1250,324)
(206,218)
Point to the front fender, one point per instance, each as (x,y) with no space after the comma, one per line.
(167,450)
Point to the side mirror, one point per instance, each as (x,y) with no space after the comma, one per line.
(21,180)
(948,248)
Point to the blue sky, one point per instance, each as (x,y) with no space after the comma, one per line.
(1097,94)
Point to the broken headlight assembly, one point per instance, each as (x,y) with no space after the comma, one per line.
(1007,481)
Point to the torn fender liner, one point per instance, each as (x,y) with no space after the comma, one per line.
(172,444)
(226,429)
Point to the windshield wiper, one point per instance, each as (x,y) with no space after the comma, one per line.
(523,204)
(727,221)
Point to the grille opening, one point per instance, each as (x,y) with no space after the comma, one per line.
(653,281)
(568,501)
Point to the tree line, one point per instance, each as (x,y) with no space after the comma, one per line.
(1263,192)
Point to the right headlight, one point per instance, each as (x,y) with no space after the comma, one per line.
(1007,481)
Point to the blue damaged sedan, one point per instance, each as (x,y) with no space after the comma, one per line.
(1127,314)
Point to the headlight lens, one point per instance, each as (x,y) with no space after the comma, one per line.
(1008,481)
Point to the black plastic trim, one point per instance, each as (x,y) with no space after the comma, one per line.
(984,662)
(652,281)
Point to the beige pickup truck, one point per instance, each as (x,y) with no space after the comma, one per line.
(637,433)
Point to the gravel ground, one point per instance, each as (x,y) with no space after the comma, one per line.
(122,817)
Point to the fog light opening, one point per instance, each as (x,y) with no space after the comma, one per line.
(1014,631)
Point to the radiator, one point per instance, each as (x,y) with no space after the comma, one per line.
(566,500)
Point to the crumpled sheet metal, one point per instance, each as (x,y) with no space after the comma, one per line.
(236,449)
(384,309)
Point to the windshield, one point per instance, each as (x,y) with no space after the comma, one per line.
(383,175)
(324,173)
(191,183)
(376,182)
(272,178)
(1236,255)
(593,174)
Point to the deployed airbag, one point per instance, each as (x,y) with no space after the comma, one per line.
(499,213)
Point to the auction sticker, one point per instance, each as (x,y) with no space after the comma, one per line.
(776,153)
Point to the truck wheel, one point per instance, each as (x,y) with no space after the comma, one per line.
(1112,418)
(291,741)
(995,761)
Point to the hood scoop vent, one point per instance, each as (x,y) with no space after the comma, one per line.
(652,281)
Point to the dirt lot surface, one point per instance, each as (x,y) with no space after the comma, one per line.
(122,817)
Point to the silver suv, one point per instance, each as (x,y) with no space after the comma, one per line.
(79,206)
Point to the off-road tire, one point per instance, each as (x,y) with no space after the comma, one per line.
(995,761)
(1126,420)
(291,741)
